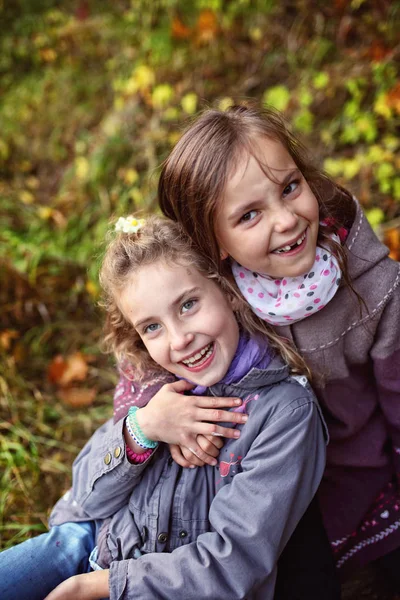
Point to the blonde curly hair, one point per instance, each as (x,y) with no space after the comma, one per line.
(162,239)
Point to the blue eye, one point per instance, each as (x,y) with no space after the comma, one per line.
(151,328)
(188,305)
(291,187)
(249,216)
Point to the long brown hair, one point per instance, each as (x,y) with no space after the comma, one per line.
(194,176)
(163,239)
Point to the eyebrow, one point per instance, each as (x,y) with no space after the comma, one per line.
(176,302)
(248,206)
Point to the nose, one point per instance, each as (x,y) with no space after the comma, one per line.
(284,219)
(180,339)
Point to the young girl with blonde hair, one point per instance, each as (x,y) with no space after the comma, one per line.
(153,529)
(304,257)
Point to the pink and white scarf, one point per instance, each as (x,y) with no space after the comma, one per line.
(290,299)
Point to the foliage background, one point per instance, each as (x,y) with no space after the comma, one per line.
(93,96)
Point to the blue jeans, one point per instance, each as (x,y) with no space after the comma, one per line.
(29,571)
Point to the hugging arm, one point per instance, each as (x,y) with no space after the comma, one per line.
(103,477)
(252,519)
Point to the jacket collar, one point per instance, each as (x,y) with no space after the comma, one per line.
(276,371)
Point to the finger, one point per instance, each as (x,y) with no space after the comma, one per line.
(192,458)
(224,416)
(218,441)
(181,386)
(216,402)
(217,431)
(201,455)
(178,457)
(207,446)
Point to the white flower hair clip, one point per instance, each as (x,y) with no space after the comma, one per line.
(129,224)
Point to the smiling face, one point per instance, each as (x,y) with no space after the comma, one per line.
(183,319)
(268,225)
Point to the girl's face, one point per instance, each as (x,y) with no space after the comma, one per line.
(184,320)
(269,226)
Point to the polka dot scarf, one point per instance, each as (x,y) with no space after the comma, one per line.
(290,299)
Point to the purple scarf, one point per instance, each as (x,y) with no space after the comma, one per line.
(251,353)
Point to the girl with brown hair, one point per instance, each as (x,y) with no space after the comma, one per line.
(302,254)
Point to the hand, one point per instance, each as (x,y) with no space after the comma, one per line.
(89,586)
(174,418)
(207,453)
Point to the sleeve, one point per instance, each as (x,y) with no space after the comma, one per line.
(385,354)
(102,478)
(130,391)
(252,519)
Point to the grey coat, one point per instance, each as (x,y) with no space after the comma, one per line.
(211,532)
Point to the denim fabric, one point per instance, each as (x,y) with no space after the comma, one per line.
(29,571)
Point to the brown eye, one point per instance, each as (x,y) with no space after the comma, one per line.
(249,216)
(290,188)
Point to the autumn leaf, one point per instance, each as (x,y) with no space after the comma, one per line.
(206,27)
(392,241)
(393,98)
(179,30)
(77,397)
(6,337)
(63,371)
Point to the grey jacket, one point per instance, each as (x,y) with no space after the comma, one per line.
(210,532)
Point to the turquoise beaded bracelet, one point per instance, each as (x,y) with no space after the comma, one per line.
(135,431)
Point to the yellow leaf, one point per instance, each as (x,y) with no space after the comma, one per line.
(136,195)
(92,289)
(162,95)
(81,167)
(381,107)
(143,76)
(131,176)
(45,212)
(26,197)
(48,54)
(32,182)
(189,103)
(225,103)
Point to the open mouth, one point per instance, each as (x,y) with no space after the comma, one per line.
(294,246)
(200,357)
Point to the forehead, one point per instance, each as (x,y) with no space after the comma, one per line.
(265,157)
(155,287)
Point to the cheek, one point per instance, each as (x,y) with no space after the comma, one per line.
(157,353)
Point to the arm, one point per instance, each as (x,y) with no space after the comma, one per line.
(251,519)
(103,478)
(195,443)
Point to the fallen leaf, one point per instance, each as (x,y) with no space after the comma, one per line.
(77,397)
(207,26)
(393,98)
(179,30)
(6,337)
(63,371)
(392,241)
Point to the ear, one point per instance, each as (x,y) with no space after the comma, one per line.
(223,254)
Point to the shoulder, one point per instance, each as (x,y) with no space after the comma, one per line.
(290,398)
